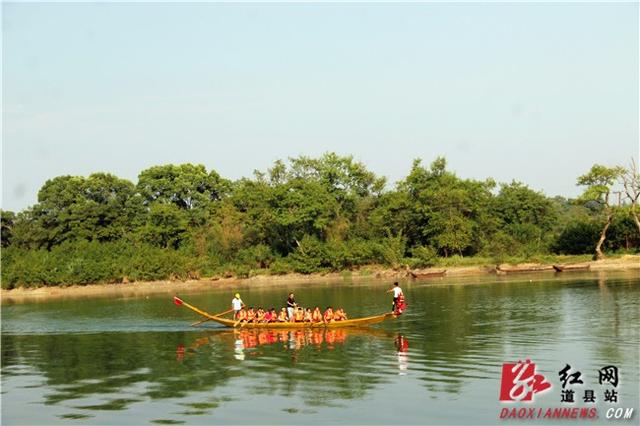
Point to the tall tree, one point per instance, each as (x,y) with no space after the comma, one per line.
(7,219)
(524,214)
(631,183)
(188,186)
(446,212)
(598,182)
(99,207)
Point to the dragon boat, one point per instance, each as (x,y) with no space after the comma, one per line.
(356,322)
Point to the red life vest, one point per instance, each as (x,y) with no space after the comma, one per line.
(400,304)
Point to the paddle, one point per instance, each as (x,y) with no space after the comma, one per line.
(209,319)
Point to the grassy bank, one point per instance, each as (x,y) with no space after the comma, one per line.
(455,268)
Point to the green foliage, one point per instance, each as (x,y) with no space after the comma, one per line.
(7,221)
(423,256)
(392,250)
(165,226)
(578,237)
(598,182)
(303,215)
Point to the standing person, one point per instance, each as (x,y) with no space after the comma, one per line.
(397,292)
(291,306)
(237,304)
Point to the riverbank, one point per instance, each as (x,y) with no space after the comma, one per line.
(140,289)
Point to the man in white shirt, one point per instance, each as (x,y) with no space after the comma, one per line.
(397,291)
(237,304)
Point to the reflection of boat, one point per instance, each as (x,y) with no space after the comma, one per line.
(243,340)
(402,346)
(292,339)
(357,322)
(573,267)
(426,274)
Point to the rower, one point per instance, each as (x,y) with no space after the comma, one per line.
(267,316)
(397,291)
(274,315)
(282,316)
(339,315)
(308,316)
(328,314)
(291,305)
(251,314)
(317,315)
(241,316)
(236,305)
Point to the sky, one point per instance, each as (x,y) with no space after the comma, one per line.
(534,92)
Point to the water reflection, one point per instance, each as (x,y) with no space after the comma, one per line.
(245,341)
(402,346)
(448,347)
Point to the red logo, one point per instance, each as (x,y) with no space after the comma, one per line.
(520,381)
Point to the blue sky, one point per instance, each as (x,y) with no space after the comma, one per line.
(536,92)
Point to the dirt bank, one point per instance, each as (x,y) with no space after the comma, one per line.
(137,289)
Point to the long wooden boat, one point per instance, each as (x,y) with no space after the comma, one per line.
(356,322)
(518,269)
(427,274)
(572,267)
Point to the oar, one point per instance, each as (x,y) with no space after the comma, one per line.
(209,319)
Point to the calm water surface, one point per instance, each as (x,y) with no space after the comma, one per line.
(137,361)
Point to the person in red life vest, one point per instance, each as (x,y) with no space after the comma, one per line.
(282,316)
(336,315)
(328,315)
(308,316)
(339,315)
(266,317)
(400,305)
(251,314)
(298,315)
(241,316)
(317,315)
(274,315)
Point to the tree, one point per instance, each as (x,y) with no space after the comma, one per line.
(7,219)
(166,226)
(524,214)
(631,183)
(72,208)
(446,212)
(598,182)
(187,186)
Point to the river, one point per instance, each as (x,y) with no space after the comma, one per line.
(138,361)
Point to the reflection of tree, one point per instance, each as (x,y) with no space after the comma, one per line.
(468,327)
(619,318)
(82,365)
(123,368)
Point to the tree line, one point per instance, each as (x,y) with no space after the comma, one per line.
(302,215)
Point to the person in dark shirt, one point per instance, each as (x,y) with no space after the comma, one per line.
(291,306)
